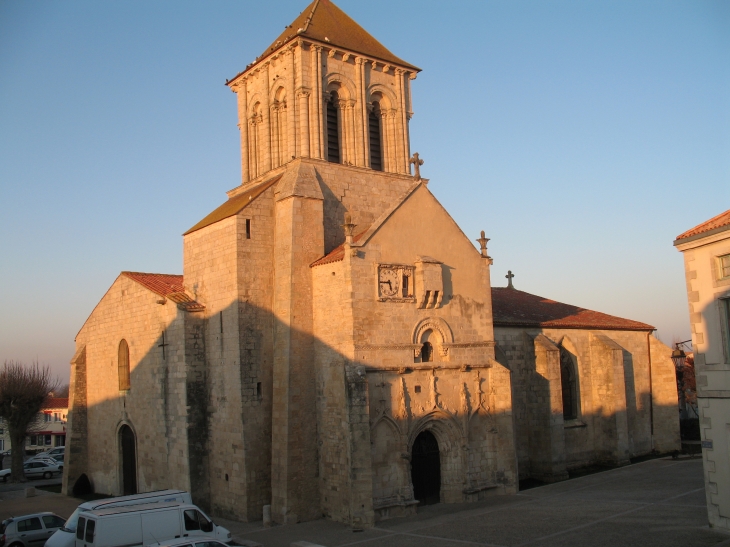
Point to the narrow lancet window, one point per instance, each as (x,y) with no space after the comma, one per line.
(569,386)
(123,365)
(376,153)
(333,137)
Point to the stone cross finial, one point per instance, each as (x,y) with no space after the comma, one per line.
(349,227)
(417,162)
(509,277)
(483,243)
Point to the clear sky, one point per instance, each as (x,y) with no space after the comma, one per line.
(583,137)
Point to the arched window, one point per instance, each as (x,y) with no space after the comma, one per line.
(123,365)
(333,137)
(569,384)
(426,352)
(376,152)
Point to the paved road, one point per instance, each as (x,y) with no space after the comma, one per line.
(655,503)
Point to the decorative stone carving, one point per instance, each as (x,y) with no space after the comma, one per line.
(395,283)
(429,281)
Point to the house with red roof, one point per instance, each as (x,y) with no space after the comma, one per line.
(706,252)
(334,346)
(48,431)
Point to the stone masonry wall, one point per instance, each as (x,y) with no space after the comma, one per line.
(210,266)
(593,434)
(154,407)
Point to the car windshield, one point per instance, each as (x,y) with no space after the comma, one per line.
(72,521)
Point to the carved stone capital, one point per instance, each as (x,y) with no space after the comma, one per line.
(360,61)
(303,93)
(400,71)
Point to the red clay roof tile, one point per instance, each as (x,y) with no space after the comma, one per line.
(721,220)
(513,308)
(55,402)
(336,254)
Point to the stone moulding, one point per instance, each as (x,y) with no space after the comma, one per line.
(403,369)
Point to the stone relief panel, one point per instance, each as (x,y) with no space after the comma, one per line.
(395,283)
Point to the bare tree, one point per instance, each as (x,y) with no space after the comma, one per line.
(62,391)
(22,393)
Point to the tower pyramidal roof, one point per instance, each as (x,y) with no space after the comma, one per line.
(324,22)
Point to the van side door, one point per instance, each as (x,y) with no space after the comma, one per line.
(161,525)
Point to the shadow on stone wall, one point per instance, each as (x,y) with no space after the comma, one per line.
(336,441)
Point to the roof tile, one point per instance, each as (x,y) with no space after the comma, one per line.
(721,220)
(323,21)
(513,308)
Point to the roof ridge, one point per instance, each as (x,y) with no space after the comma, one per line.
(329,25)
(707,225)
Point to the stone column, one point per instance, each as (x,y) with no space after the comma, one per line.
(400,126)
(276,152)
(304,130)
(317,151)
(386,138)
(353,138)
(291,146)
(266,111)
(243,128)
(363,110)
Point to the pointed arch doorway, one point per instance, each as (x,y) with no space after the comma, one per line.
(426,469)
(128,445)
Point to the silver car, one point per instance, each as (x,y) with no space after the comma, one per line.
(41,468)
(29,530)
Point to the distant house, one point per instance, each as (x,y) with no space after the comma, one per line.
(48,432)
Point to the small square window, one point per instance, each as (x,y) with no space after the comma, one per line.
(724,266)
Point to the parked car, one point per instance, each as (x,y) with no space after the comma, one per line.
(41,468)
(187,542)
(66,536)
(29,530)
(5,475)
(58,451)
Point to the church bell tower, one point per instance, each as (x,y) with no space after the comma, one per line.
(324,89)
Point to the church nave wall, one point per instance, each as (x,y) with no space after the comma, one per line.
(154,406)
(613,422)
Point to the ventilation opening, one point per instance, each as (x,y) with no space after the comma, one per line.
(258,390)
(376,155)
(248,228)
(333,139)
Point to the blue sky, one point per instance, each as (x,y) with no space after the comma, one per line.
(581,136)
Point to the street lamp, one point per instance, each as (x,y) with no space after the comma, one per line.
(678,355)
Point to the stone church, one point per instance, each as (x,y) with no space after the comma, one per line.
(334,346)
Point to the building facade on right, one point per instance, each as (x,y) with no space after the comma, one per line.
(706,250)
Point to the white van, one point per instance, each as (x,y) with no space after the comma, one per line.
(144,524)
(66,536)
